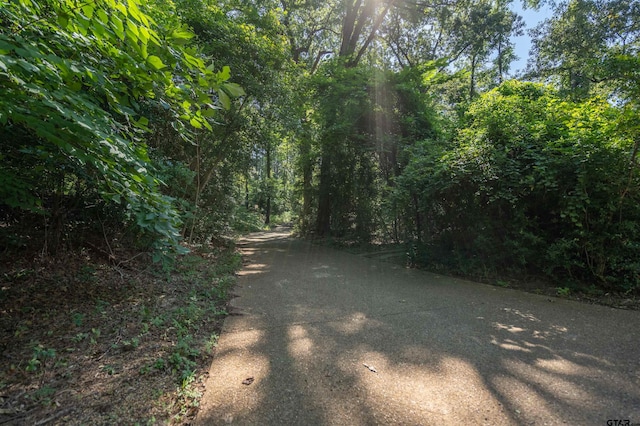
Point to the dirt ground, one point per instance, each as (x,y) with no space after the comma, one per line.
(86,339)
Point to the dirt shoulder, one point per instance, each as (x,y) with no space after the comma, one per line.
(86,339)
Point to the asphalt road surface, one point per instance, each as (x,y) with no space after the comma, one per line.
(331,338)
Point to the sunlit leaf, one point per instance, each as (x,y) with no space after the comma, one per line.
(196,123)
(144,34)
(122,8)
(225,74)
(133,28)
(155,62)
(192,60)
(88,10)
(117,26)
(102,16)
(181,36)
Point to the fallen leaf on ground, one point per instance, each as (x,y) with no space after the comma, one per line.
(247,381)
(371,368)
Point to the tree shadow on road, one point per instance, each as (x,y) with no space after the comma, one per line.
(332,338)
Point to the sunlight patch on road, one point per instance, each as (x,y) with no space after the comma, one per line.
(509,328)
(353,324)
(300,344)
(450,391)
(228,397)
(561,366)
(264,237)
(253,269)
(531,381)
(244,338)
(509,345)
(524,401)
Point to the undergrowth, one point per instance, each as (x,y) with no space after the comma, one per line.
(85,341)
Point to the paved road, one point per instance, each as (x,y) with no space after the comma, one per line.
(332,338)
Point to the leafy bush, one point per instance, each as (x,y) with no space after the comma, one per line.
(535,182)
(77,80)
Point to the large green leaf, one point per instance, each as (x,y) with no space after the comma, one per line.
(233,89)
(155,62)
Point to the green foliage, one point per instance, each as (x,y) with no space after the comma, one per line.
(589,46)
(249,39)
(346,180)
(78,80)
(44,395)
(534,182)
(369,118)
(109,369)
(39,359)
(181,359)
(108,108)
(77,318)
(247,221)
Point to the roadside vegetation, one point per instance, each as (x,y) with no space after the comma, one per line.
(140,136)
(85,340)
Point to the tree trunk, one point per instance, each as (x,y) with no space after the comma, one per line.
(324,197)
(500,62)
(418,221)
(267,210)
(356,17)
(472,82)
(307,175)
(246,191)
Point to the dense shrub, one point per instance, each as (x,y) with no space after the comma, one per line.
(536,183)
(77,83)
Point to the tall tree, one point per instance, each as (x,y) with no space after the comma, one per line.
(483,30)
(575,46)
